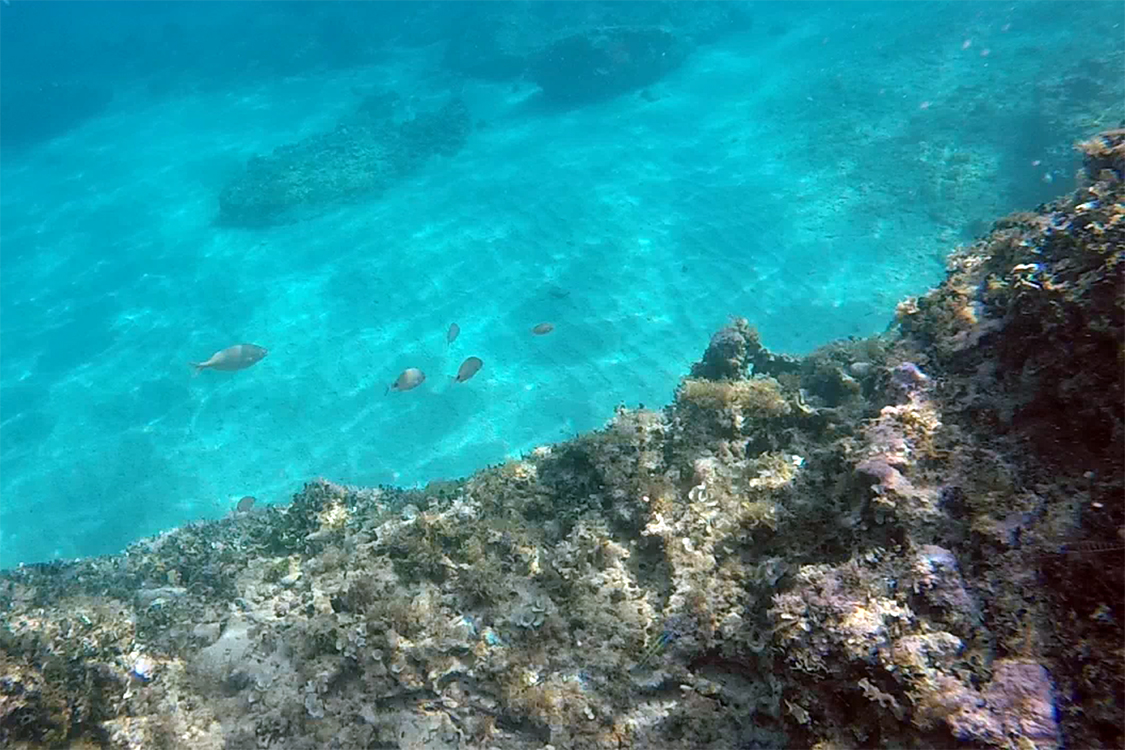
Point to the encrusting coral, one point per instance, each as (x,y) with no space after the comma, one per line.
(909,541)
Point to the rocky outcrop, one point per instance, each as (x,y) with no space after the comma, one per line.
(361,157)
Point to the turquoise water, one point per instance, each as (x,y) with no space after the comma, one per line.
(806,171)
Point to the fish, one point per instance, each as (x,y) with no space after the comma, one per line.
(411,377)
(246,504)
(543,329)
(657,645)
(468,368)
(237,357)
(454,332)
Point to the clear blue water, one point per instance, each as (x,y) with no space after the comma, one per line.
(805,172)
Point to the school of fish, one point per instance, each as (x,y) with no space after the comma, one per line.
(241,356)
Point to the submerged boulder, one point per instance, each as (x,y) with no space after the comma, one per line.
(360,158)
(500,41)
(596,65)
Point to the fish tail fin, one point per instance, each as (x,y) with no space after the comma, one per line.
(196,368)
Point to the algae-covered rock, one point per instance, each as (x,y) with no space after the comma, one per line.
(502,41)
(361,157)
(595,65)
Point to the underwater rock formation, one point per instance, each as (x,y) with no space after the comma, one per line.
(362,156)
(893,542)
(504,41)
(592,66)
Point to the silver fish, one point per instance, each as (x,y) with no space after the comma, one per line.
(237,357)
(469,368)
(454,332)
(411,377)
(543,329)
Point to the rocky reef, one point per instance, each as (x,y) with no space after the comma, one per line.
(364,154)
(577,58)
(588,67)
(912,540)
